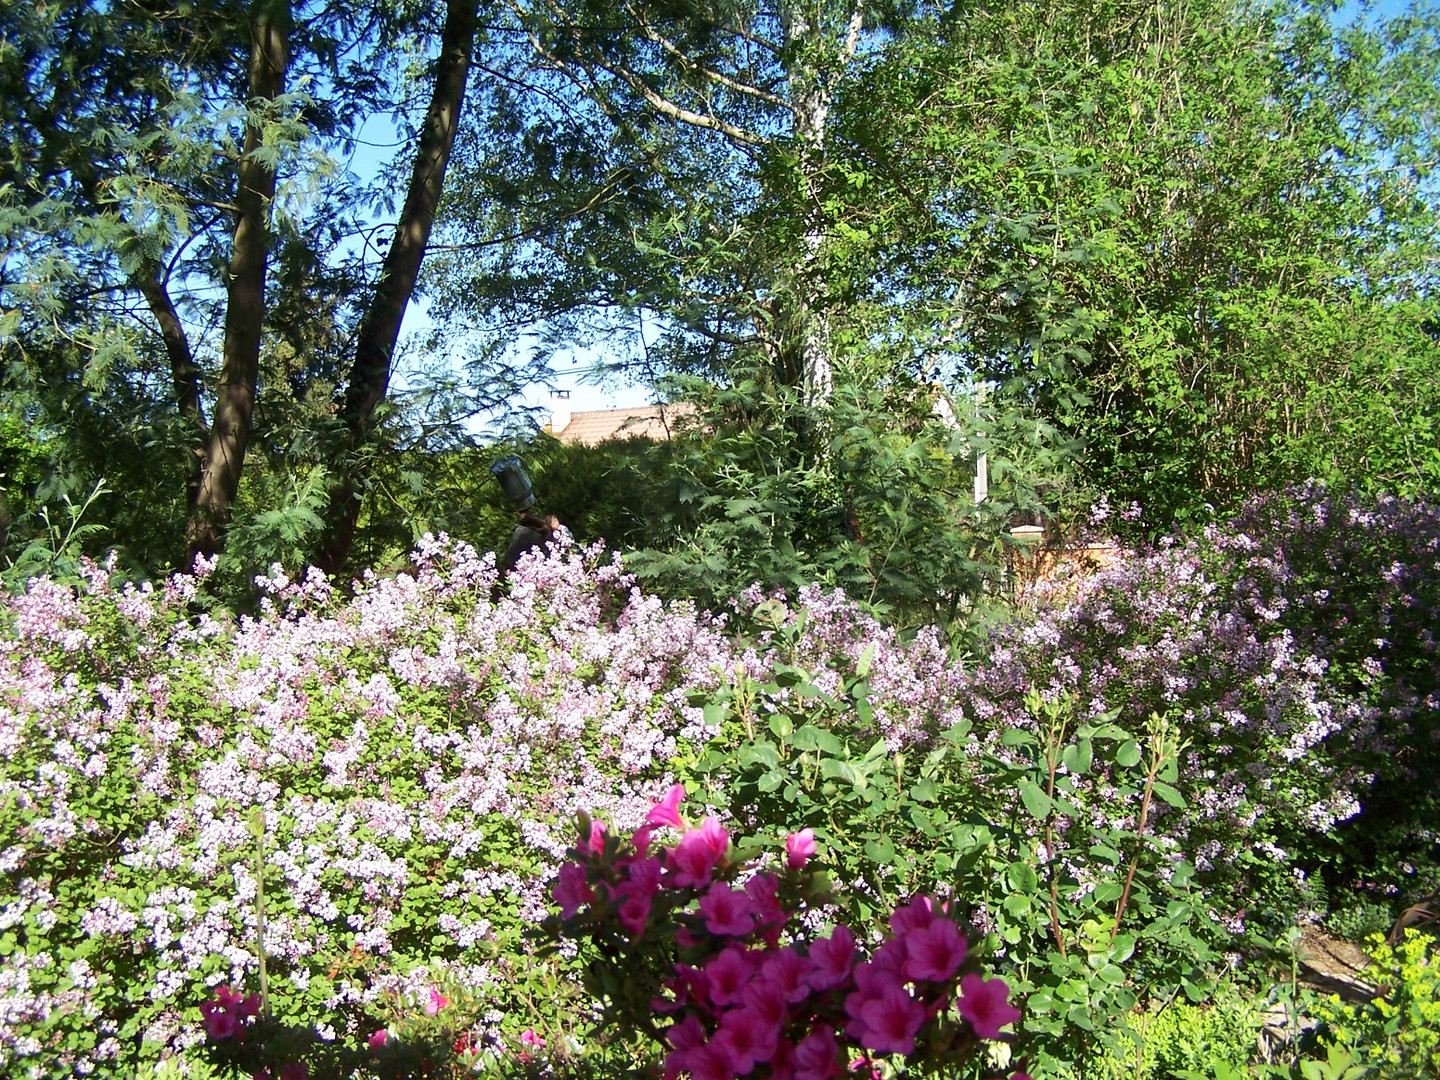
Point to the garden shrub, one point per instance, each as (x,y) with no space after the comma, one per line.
(1397,1033)
(417,752)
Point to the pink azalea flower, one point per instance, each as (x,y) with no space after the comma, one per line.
(891,1021)
(437,1002)
(831,959)
(817,1055)
(891,958)
(529,1038)
(642,878)
(710,1062)
(378,1039)
(765,1000)
(634,914)
(984,1003)
(746,1037)
(572,890)
(667,810)
(727,911)
(770,914)
(640,841)
(787,969)
(220,1022)
(799,846)
(250,1006)
(729,974)
(597,837)
(916,915)
(694,858)
(683,1037)
(936,952)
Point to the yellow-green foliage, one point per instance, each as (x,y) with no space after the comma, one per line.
(1398,1033)
(1164,1043)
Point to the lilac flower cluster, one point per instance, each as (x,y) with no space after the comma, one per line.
(417,752)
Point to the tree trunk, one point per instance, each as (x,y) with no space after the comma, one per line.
(245,303)
(184,372)
(380,329)
(808,326)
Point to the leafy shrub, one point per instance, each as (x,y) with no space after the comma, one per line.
(1398,1032)
(413,751)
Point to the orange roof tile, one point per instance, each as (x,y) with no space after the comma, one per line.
(594,426)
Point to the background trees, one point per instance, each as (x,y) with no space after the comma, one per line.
(1194,239)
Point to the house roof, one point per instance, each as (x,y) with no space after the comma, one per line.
(594,426)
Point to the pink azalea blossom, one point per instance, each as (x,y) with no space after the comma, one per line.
(710,1062)
(667,811)
(437,1002)
(220,1022)
(831,959)
(770,914)
(935,953)
(694,858)
(984,1002)
(529,1038)
(817,1055)
(916,915)
(378,1039)
(729,974)
(634,914)
(597,837)
(727,911)
(891,1021)
(787,969)
(799,847)
(571,889)
(747,1038)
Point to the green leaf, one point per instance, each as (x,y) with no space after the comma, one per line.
(1036,801)
(1128,754)
(1169,794)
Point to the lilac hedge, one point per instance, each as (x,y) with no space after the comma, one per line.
(418,752)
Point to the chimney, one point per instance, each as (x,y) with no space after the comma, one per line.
(559,411)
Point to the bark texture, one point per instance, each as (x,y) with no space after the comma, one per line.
(184,372)
(245,301)
(380,330)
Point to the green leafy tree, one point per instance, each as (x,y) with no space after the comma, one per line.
(1198,236)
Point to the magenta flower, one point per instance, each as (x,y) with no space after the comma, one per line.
(597,837)
(220,1022)
(642,878)
(693,859)
(667,810)
(746,1037)
(294,1070)
(635,913)
(529,1038)
(378,1039)
(710,1062)
(572,889)
(727,911)
(787,969)
(891,1021)
(831,959)
(799,846)
(729,974)
(770,914)
(817,1055)
(916,915)
(936,952)
(437,1002)
(984,1003)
